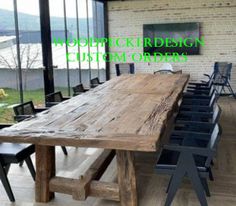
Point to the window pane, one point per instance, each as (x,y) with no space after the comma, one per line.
(59,50)
(31,51)
(9,79)
(72,35)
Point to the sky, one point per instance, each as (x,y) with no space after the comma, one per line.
(56,7)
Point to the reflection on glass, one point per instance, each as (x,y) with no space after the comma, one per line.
(31,51)
(88,26)
(9,79)
(59,51)
(30,55)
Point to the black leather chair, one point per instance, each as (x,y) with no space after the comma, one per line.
(79,89)
(189,160)
(125,68)
(95,82)
(11,153)
(55,98)
(27,110)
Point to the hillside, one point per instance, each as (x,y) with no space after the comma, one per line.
(32,23)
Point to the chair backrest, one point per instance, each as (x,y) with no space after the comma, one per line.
(2,125)
(78,88)
(26,108)
(222,72)
(54,97)
(95,81)
(126,68)
(167,66)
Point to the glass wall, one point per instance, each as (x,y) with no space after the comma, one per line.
(31,51)
(21,79)
(81,19)
(9,73)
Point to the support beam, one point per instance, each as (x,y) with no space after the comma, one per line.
(104,190)
(80,189)
(106,31)
(45,170)
(94,172)
(46,46)
(18,52)
(126,178)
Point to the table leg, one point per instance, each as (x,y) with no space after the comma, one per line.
(45,169)
(126,178)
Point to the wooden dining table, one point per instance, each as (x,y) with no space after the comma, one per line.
(125,114)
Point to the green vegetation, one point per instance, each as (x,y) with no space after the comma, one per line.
(37,96)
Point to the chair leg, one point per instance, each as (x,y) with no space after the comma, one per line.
(174,185)
(206,188)
(212,163)
(231,90)
(198,187)
(6,183)
(64,150)
(31,167)
(220,92)
(211,177)
(21,163)
(168,187)
(7,167)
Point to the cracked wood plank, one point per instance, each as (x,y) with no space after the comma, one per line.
(129,112)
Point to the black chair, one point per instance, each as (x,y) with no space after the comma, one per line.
(55,98)
(187,160)
(200,116)
(14,153)
(200,88)
(125,68)
(221,77)
(200,91)
(79,89)
(199,103)
(95,82)
(203,85)
(196,122)
(27,110)
(202,125)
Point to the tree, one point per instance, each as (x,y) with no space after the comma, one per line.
(27,57)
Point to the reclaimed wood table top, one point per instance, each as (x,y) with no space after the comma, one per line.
(128,112)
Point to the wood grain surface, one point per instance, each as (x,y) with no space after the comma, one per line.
(126,113)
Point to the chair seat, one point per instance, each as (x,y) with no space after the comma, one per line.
(169,159)
(15,153)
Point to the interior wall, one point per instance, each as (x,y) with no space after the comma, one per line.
(217,24)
